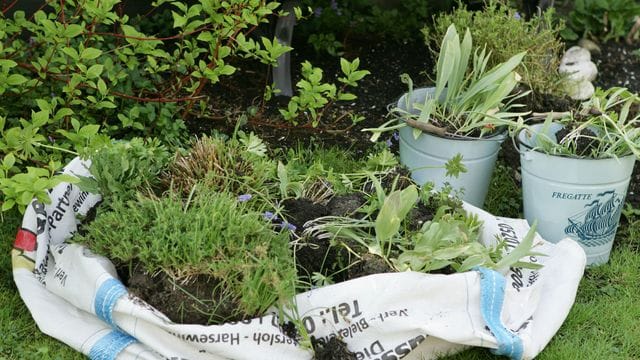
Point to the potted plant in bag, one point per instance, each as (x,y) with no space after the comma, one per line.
(465,113)
(576,168)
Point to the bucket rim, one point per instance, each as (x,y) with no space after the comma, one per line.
(496,135)
(519,143)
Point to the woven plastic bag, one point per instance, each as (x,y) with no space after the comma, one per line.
(76,297)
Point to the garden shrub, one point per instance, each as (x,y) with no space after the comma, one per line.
(604,19)
(74,73)
(504,32)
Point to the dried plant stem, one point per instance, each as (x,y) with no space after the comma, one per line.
(426,127)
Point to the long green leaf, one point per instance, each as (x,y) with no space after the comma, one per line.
(395,208)
(456,79)
(523,249)
(446,59)
(494,76)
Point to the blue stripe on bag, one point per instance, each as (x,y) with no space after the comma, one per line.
(106,297)
(110,345)
(491,299)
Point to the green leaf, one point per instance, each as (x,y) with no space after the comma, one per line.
(449,253)
(345,66)
(73,30)
(358,75)
(73,53)
(523,249)
(471,262)
(88,131)
(88,184)
(102,87)
(346,97)
(16,79)
(454,166)
(67,179)
(26,197)
(106,105)
(395,208)
(39,118)
(7,64)
(43,104)
(226,70)
(8,204)
(94,71)
(90,53)
(8,161)
(178,20)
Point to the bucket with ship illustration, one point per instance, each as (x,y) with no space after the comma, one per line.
(579,198)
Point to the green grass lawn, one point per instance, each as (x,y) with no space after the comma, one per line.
(604,323)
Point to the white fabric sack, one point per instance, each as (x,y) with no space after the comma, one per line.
(75,296)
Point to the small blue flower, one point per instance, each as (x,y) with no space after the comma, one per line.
(269,216)
(517,16)
(317,12)
(288,226)
(396,136)
(244,197)
(388,143)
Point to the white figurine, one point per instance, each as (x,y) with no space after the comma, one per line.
(579,71)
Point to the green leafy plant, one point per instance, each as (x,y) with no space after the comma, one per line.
(467,101)
(606,126)
(602,19)
(210,234)
(449,239)
(503,32)
(75,73)
(123,168)
(22,188)
(315,96)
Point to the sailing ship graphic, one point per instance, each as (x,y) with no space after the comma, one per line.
(597,223)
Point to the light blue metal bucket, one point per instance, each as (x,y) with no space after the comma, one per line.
(570,197)
(425,156)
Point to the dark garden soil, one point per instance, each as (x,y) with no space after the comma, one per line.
(334,349)
(375,92)
(188,303)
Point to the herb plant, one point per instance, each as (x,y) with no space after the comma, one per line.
(606,126)
(121,169)
(210,234)
(503,32)
(467,101)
